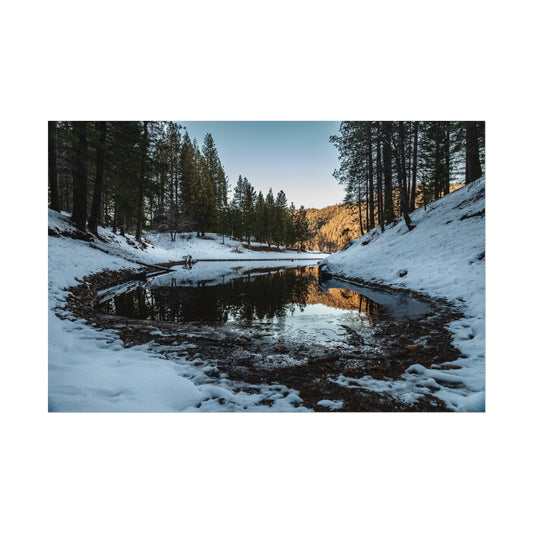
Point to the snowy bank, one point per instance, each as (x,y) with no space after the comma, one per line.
(91,370)
(444,256)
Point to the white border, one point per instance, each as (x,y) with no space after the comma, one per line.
(265,61)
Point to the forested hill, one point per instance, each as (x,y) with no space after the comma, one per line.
(332,227)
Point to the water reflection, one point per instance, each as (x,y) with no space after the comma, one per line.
(249,298)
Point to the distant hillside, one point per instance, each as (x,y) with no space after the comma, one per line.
(332,227)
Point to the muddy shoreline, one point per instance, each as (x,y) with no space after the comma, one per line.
(406,342)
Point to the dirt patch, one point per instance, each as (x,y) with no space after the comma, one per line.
(73,233)
(257,248)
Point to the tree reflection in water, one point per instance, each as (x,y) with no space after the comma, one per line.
(249,298)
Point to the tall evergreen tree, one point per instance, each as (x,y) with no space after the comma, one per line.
(173,143)
(205,204)
(96,209)
(280,233)
(217,177)
(142,177)
(292,225)
(248,209)
(473,163)
(370,172)
(270,217)
(259,218)
(52,166)
(236,211)
(79,174)
(123,155)
(388,209)
(399,153)
(302,227)
(187,178)
(412,198)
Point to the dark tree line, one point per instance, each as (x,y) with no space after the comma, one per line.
(267,218)
(132,175)
(390,168)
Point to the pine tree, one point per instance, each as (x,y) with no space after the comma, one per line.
(248,209)
(270,217)
(473,131)
(52,166)
(388,209)
(217,176)
(399,153)
(142,177)
(187,178)
(173,143)
(79,174)
(221,192)
(123,155)
(162,189)
(280,233)
(236,211)
(412,197)
(97,204)
(224,222)
(259,218)
(292,225)
(205,204)
(302,227)
(370,173)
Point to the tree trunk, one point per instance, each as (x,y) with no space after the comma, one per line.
(79,174)
(379,184)
(96,210)
(447,159)
(140,206)
(367,217)
(438,184)
(103,212)
(473,164)
(360,210)
(370,179)
(388,211)
(402,176)
(52,166)
(412,200)
(408,166)
(115,215)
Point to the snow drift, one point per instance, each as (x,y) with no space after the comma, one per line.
(91,370)
(443,256)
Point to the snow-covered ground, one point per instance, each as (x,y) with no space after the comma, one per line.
(91,370)
(444,256)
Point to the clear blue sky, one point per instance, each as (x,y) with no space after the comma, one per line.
(294,156)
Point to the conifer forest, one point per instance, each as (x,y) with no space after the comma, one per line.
(132,176)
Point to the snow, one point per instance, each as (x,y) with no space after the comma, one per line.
(211,247)
(444,256)
(332,404)
(91,370)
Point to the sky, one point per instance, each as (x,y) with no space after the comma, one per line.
(295,157)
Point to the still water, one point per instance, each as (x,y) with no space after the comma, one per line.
(248,295)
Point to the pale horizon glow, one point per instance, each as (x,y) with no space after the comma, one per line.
(295,157)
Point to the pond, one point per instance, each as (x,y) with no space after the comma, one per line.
(283,300)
